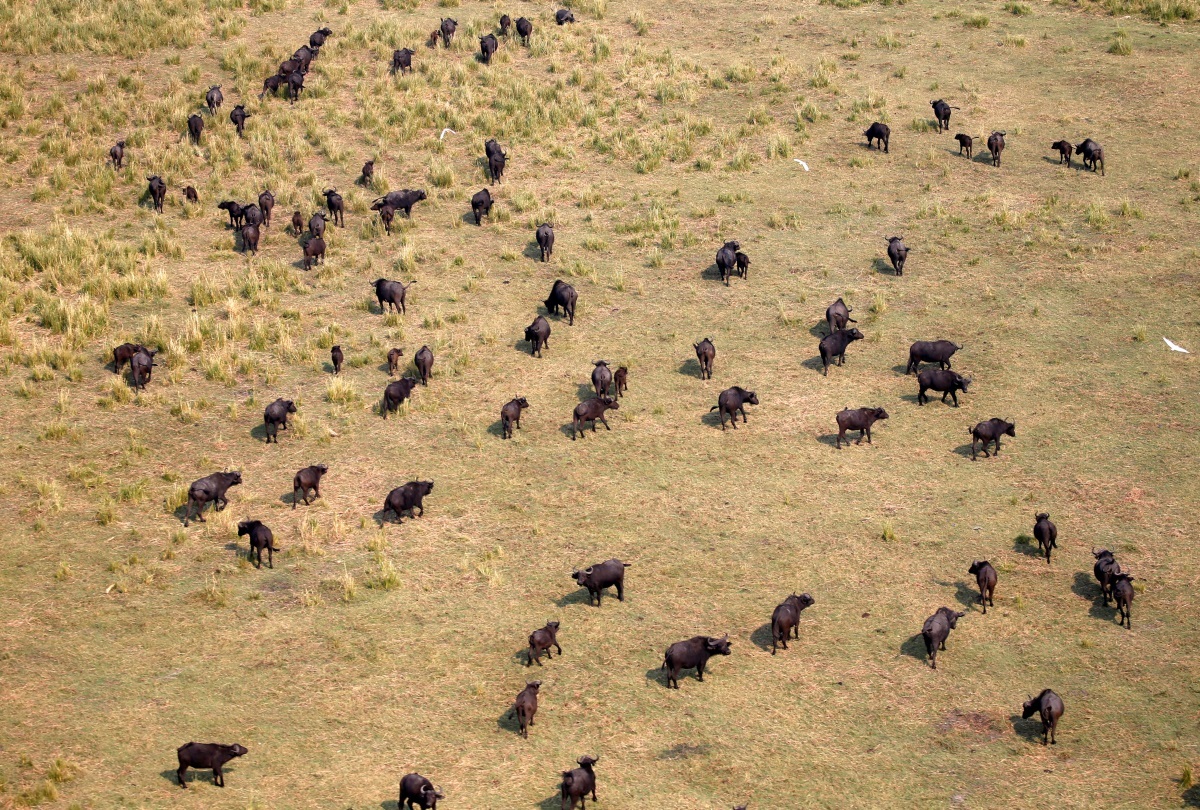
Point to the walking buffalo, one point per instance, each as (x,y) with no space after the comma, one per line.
(1049,707)
(141,367)
(540,641)
(897,253)
(402,200)
(393,359)
(786,618)
(260,538)
(562,295)
(210,489)
(487,47)
(545,240)
(525,706)
(318,37)
(337,357)
(505,24)
(859,419)
(1092,153)
(564,16)
(396,392)
(275,417)
(117,154)
(948,383)
(1105,570)
(307,479)
(266,201)
(965,142)
(206,756)
(510,416)
(590,411)
(316,224)
(387,215)
(941,111)
(314,252)
(402,60)
(408,498)
(995,145)
(1122,591)
(336,206)
(596,578)
(731,401)
(937,629)
(985,578)
(124,354)
(423,360)
(878,132)
(448,27)
(1065,149)
(297,223)
(391,294)
(158,191)
(538,335)
(837,315)
(1046,534)
(195,127)
(601,378)
(930,351)
(833,346)
(706,352)
(727,259)
(578,782)
(524,29)
(621,380)
(417,791)
(214,99)
(481,205)
(693,653)
(988,432)
(234,209)
(250,238)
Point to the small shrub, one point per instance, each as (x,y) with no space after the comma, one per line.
(1186,780)
(1018,9)
(976,21)
(889,532)
(1120,46)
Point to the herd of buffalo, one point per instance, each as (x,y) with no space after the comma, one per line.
(609,386)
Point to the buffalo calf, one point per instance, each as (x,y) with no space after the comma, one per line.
(965,143)
(706,352)
(337,358)
(540,641)
(260,538)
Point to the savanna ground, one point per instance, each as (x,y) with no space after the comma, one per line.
(648,135)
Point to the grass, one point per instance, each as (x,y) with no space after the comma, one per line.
(648,146)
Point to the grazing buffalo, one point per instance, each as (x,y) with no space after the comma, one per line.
(526,706)
(214,99)
(391,293)
(596,578)
(965,142)
(275,417)
(368,173)
(396,392)
(402,60)
(206,756)
(985,578)
(930,351)
(238,116)
(837,315)
(1092,153)
(621,380)
(833,346)
(990,431)
(878,132)
(158,191)
(417,791)
(1105,570)
(252,214)
(786,618)
(1046,534)
(250,238)
(601,378)
(693,653)
(995,145)
(387,215)
(316,224)
(949,383)
(314,252)
(505,24)
(235,211)
(195,127)
(141,367)
(510,416)
(260,538)
(706,352)
(271,85)
(590,411)
(481,205)
(743,264)
(337,357)
(487,47)
(1122,591)
(578,782)
(297,223)
(210,489)
(524,29)
(408,498)
(859,419)
(937,629)
(562,295)
(402,200)
(538,335)
(266,201)
(731,401)
(305,480)
(897,253)
(393,360)
(124,354)
(727,259)
(540,641)
(545,240)
(496,162)
(448,27)
(336,206)
(564,16)
(117,154)
(941,111)
(1065,150)
(318,37)
(423,360)
(1050,707)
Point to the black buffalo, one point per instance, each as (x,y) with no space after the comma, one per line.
(141,367)
(937,629)
(234,209)
(1105,570)
(266,201)
(525,706)
(510,416)
(336,206)
(524,29)
(195,127)
(785,619)
(1092,153)
(941,111)
(402,200)
(318,37)
(402,60)
(158,191)
(726,259)
(706,352)
(985,578)
(481,205)
(596,578)
(897,253)
(990,431)
(391,293)
(538,335)
(732,400)
(995,145)
(1049,707)
(408,498)
(833,346)
(305,480)
(210,489)
(117,154)
(423,360)
(837,316)
(448,27)
(214,99)
(260,538)
(545,240)
(487,47)
(578,782)
(965,142)
(693,653)
(590,411)
(564,16)
(417,791)
(250,237)
(949,383)
(878,132)
(396,392)
(562,295)
(1122,591)
(314,252)
(601,378)
(316,224)
(1046,534)
(930,351)
(275,417)
(540,641)
(206,756)
(1065,150)
(859,419)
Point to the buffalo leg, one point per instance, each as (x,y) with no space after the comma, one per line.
(270,558)
(181,773)
(218,777)
(841,435)
(700,672)
(997,446)
(556,645)
(605,421)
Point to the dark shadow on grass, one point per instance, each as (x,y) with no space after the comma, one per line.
(497,429)
(815,364)
(964,450)
(712,419)
(1057,161)
(584,392)
(170,776)
(327,368)
(1029,730)
(658,675)
(761,637)
(914,647)
(552,802)
(984,156)
(576,597)
(523,346)
(469,219)
(967,596)
(712,272)
(259,432)
(533,251)
(882,267)
(1023,546)
(820,329)
(1191,797)
(901,369)
(389,805)
(829,439)
(198,775)
(508,721)
(690,368)
(1086,586)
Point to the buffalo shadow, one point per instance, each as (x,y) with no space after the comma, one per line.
(508,720)
(815,364)
(1057,161)
(533,251)
(390,804)
(1030,730)
(259,432)
(713,419)
(984,156)
(901,369)
(711,272)
(191,775)
(581,596)
(914,647)
(830,439)
(552,802)
(658,675)
(584,391)
(968,596)
(820,329)
(883,267)
(964,450)
(762,637)
(497,429)
(1191,796)
(1086,586)
(690,368)
(1028,547)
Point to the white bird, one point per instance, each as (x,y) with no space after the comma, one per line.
(1175,347)
(802,163)
(442,137)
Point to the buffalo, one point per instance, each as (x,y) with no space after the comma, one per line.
(210,489)
(564,16)
(275,417)
(238,116)
(941,111)
(304,55)
(538,335)
(1105,570)
(706,352)
(562,295)
(965,142)
(141,367)
(1122,591)
(526,706)
(949,383)
(578,782)
(743,264)
(297,223)
(732,400)
(234,209)
(117,154)
(337,357)
(837,315)
(621,380)
(930,351)
(158,191)
(540,641)
(786,618)
(510,416)
(448,27)
(206,756)
(1046,534)
(195,127)
(124,354)
(423,360)
(1092,153)
(833,346)
(260,538)
(295,83)
(990,431)
(252,214)
(368,173)
(336,206)
(985,578)
(391,294)
(387,215)
(937,629)
(487,47)
(727,259)
(590,411)
(408,498)
(314,252)
(290,66)
(878,132)
(396,392)
(897,253)
(596,578)
(995,145)
(250,238)
(417,791)
(307,479)
(859,419)
(214,99)
(393,360)
(1050,707)
(1065,150)
(318,37)
(693,653)
(496,162)
(524,29)
(266,201)
(316,224)
(402,200)
(505,24)
(271,85)
(190,194)
(545,240)
(601,378)
(481,205)
(402,60)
